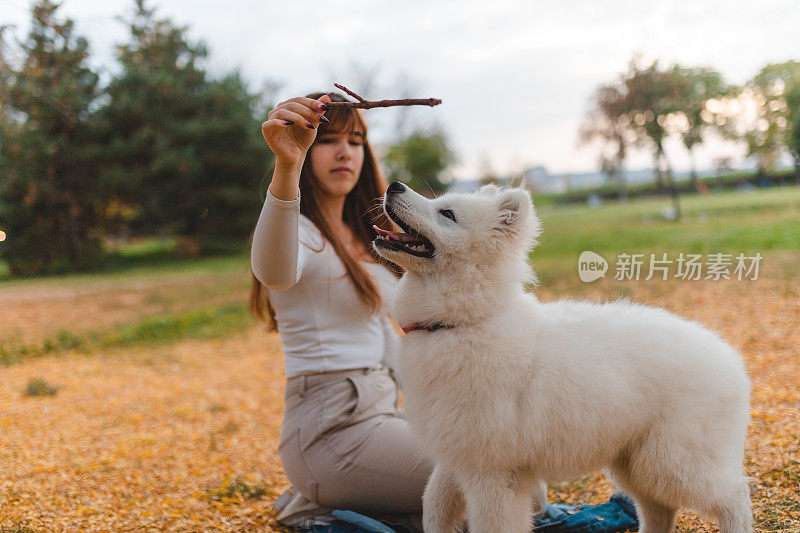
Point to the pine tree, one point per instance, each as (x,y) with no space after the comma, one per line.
(188,157)
(50,202)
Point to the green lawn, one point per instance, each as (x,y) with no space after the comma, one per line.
(154,267)
(729,222)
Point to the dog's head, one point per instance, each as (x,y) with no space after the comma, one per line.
(491,227)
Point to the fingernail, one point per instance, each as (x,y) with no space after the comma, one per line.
(330,95)
(322,107)
(287,122)
(324,119)
(309,125)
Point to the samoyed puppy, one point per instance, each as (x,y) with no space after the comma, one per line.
(506,392)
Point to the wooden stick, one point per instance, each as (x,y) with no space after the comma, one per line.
(385,103)
(367,104)
(348,91)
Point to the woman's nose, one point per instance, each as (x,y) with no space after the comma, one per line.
(344,151)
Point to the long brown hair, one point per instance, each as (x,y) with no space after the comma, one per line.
(360,213)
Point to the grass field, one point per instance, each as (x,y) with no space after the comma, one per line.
(147,399)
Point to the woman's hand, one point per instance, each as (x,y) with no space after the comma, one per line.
(291,127)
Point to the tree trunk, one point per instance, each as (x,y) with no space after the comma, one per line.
(659,179)
(694,169)
(659,171)
(797,168)
(622,184)
(674,193)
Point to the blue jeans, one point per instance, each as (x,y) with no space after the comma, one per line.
(617,515)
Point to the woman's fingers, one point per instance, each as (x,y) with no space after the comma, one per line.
(316,105)
(312,110)
(300,119)
(286,140)
(273,125)
(303,113)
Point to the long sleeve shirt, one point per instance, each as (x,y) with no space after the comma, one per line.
(323,324)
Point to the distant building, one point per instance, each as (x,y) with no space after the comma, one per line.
(537,178)
(463,186)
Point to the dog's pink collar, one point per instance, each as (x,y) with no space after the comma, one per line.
(423,326)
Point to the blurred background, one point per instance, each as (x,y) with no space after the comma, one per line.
(137,391)
(127,120)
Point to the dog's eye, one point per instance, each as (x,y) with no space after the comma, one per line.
(447,213)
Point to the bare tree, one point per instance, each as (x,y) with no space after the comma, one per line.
(653,96)
(696,85)
(776,89)
(608,121)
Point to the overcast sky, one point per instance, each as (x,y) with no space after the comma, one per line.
(515,76)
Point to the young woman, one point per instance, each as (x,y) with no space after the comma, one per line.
(317,280)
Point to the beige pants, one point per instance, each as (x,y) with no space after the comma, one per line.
(345,445)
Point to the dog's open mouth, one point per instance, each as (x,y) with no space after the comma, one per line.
(410,241)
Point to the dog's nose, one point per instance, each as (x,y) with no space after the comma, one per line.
(396,187)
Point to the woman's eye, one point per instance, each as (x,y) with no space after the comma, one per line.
(447,213)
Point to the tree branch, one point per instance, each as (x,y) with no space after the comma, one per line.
(348,91)
(367,104)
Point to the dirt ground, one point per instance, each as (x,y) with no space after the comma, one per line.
(175,437)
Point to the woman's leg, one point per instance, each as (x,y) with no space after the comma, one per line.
(345,445)
(374,467)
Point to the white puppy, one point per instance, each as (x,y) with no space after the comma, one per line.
(505,391)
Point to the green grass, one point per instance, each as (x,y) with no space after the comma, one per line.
(165,269)
(728,222)
(781,515)
(238,488)
(39,387)
(208,323)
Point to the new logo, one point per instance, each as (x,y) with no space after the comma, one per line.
(591,266)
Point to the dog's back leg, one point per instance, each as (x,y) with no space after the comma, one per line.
(498,503)
(442,503)
(736,515)
(654,517)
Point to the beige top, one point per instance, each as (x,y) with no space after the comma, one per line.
(323,324)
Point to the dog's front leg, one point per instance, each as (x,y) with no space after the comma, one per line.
(498,503)
(442,503)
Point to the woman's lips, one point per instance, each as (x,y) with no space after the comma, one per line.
(342,170)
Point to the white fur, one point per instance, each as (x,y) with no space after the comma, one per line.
(521,391)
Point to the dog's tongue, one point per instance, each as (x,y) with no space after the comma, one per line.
(402,237)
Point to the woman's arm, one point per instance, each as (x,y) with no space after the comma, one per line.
(289,131)
(275,256)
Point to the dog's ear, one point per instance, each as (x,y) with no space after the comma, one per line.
(513,208)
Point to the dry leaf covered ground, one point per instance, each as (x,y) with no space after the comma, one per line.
(181,435)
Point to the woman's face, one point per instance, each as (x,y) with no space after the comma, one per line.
(336,161)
